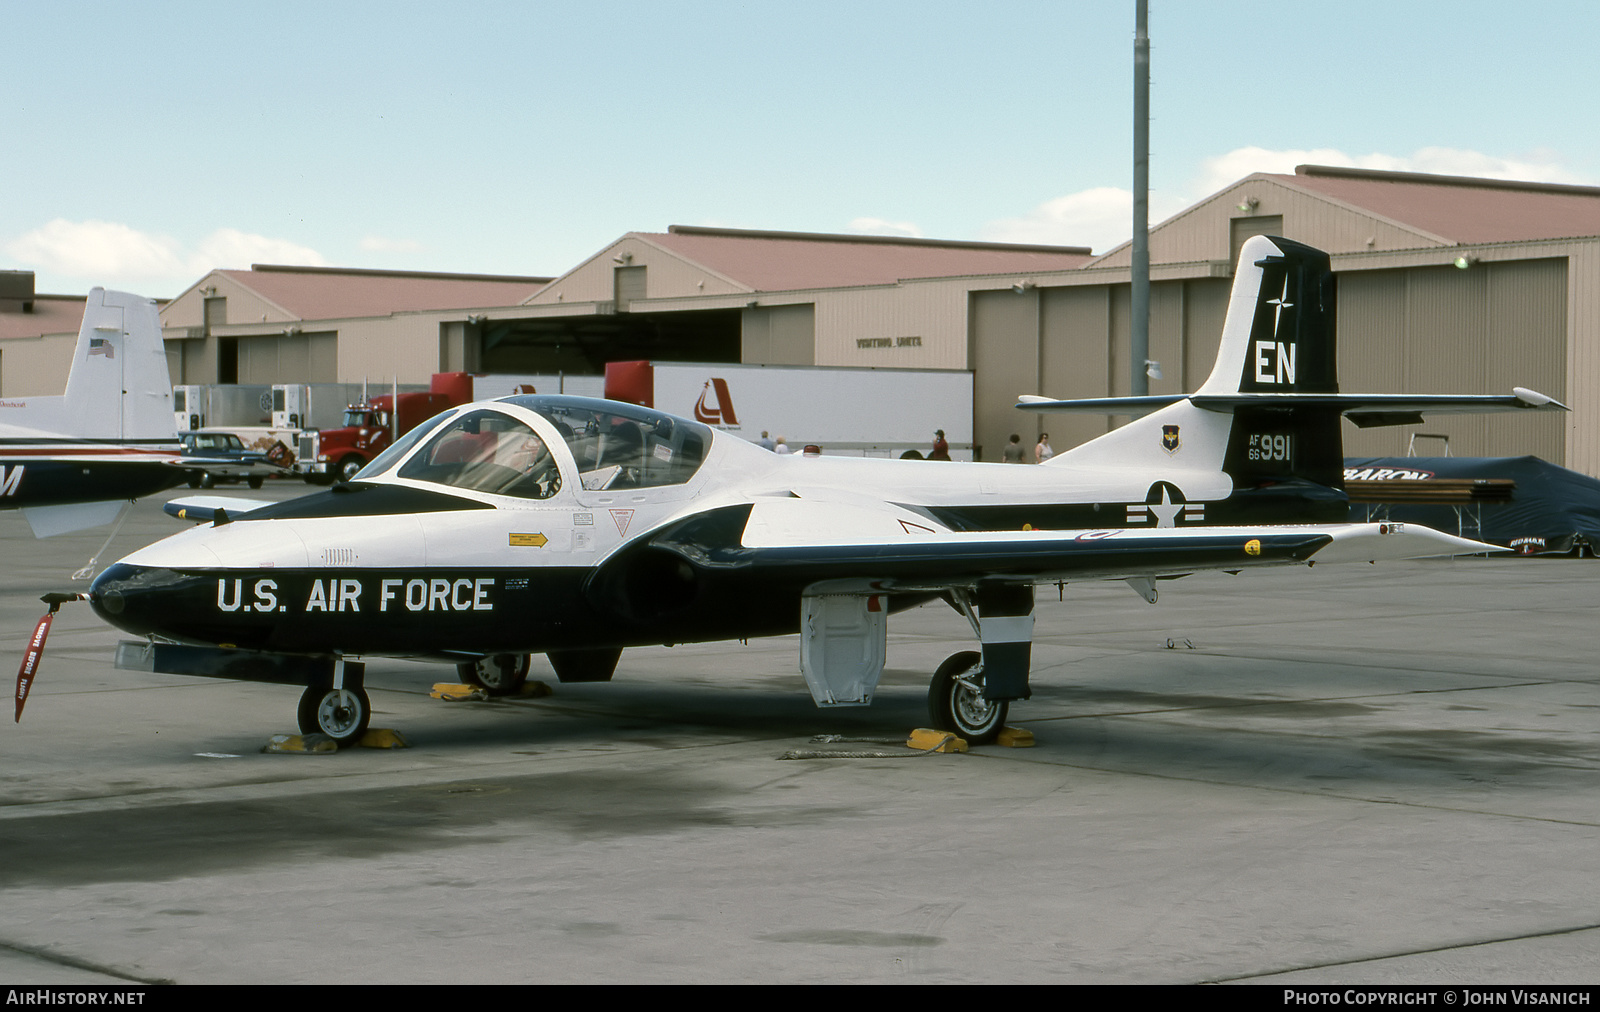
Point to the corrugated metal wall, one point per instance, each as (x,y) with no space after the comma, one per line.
(853,323)
(1205,306)
(1077,336)
(778,335)
(1583,359)
(1074,359)
(1005,363)
(37,367)
(297,358)
(1443,330)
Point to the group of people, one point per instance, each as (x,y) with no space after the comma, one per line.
(1014,451)
(778,445)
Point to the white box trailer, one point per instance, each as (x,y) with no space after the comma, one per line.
(487,386)
(320,405)
(844,411)
(220,405)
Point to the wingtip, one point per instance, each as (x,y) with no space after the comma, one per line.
(1534,399)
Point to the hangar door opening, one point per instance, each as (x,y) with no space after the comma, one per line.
(582,345)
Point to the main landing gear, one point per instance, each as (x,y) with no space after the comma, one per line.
(971,692)
(499,674)
(956,703)
(505,674)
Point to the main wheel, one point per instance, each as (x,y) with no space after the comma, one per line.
(956,703)
(500,675)
(255,480)
(341,714)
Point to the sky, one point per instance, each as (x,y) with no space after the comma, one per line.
(146,144)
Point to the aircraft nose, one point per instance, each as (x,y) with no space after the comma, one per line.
(146,600)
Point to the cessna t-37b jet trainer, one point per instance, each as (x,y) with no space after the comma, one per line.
(578,528)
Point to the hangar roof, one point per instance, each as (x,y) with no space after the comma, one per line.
(51,314)
(786,261)
(1461,209)
(330,293)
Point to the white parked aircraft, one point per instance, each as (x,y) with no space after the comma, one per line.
(75,461)
(579,527)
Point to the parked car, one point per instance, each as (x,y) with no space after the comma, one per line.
(221,457)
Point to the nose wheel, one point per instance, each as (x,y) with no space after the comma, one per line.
(956,703)
(341,714)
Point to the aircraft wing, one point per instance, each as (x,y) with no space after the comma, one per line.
(831,547)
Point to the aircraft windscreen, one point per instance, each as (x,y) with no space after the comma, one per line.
(619,446)
(387,459)
(486,451)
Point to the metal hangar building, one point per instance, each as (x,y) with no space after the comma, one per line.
(1445,284)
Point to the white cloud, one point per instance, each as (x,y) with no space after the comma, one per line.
(233,249)
(1538,166)
(78,255)
(96,249)
(1099,218)
(1225,170)
(878,226)
(1102,217)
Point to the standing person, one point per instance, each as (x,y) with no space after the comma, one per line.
(941,449)
(1043,451)
(782,446)
(765,442)
(1012,454)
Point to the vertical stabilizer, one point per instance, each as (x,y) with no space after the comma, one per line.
(1282,458)
(1278,336)
(119,387)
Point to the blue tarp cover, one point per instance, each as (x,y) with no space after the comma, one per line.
(1552,511)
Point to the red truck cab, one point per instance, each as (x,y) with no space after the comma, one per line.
(369,428)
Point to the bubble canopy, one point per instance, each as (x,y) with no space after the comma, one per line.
(486,449)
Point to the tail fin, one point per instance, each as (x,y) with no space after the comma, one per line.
(1265,424)
(1279,333)
(1278,339)
(119,387)
(1243,443)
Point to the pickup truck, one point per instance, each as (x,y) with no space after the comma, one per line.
(221,457)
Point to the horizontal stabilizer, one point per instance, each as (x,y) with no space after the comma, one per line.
(48,521)
(202,509)
(1366,410)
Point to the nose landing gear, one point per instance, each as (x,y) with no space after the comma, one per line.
(339,707)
